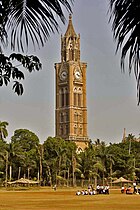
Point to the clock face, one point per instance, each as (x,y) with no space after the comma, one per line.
(63,75)
(77,74)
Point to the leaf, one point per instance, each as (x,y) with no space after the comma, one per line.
(17,74)
(18,88)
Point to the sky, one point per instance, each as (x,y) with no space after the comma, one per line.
(111,94)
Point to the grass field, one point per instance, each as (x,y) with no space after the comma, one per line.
(47,199)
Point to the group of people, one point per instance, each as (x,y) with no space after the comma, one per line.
(92,191)
(130,190)
(102,189)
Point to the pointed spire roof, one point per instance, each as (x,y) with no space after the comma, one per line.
(70,29)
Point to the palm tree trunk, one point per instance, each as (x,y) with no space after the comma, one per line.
(10,173)
(19,170)
(68,178)
(28,173)
(6,170)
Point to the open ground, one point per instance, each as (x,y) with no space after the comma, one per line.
(47,199)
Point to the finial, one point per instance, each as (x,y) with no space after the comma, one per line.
(70,17)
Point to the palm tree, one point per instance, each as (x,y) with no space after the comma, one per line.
(126,30)
(3,130)
(29,19)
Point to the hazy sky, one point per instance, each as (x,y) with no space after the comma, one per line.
(111,95)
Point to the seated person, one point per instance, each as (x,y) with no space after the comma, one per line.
(129,190)
(86,192)
(82,192)
(122,190)
(78,192)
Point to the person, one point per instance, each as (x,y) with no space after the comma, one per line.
(129,190)
(54,187)
(122,189)
(98,188)
(86,192)
(78,192)
(135,187)
(106,189)
(83,192)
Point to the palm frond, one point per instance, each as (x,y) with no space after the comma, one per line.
(126,31)
(32,20)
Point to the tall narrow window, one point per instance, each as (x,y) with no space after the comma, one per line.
(80,117)
(61,117)
(67,117)
(67,98)
(67,129)
(75,129)
(62,99)
(75,96)
(61,130)
(75,116)
(79,99)
(75,99)
(81,130)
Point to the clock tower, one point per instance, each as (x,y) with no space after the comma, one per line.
(71,108)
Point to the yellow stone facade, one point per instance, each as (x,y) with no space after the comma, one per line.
(71,108)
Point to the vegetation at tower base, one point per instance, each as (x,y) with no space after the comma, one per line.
(56,160)
(126,30)
(23,23)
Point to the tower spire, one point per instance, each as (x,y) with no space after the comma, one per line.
(70,44)
(70,29)
(124,135)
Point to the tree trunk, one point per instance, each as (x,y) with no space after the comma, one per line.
(68,177)
(10,172)
(28,173)
(19,170)
(73,171)
(6,169)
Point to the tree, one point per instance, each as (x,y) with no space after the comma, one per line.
(3,130)
(126,30)
(22,22)
(24,145)
(9,71)
(58,159)
(3,159)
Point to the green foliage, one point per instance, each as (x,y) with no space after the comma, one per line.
(57,161)
(24,146)
(30,21)
(9,71)
(3,130)
(126,30)
(21,23)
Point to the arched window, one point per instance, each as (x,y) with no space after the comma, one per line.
(79,96)
(75,96)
